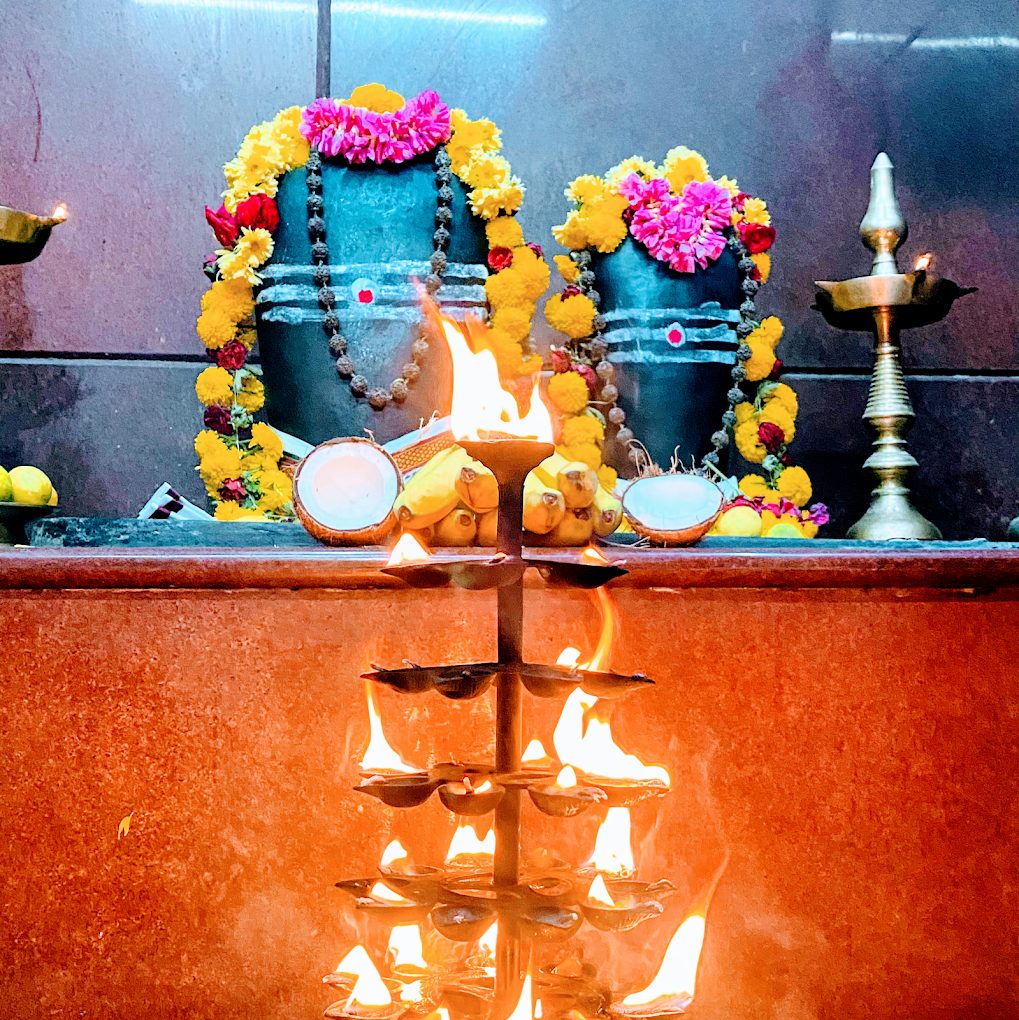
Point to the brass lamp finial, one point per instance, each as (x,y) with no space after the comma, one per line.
(883,228)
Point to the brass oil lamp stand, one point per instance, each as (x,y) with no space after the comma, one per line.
(535,904)
(885,303)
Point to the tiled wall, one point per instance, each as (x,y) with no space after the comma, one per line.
(125,110)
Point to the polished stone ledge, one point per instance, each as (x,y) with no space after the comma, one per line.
(972,567)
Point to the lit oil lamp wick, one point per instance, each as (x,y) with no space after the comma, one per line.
(923,263)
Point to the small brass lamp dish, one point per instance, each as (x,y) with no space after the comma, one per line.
(23,236)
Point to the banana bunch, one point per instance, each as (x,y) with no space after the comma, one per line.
(453,501)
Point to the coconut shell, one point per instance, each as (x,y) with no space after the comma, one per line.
(369,534)
(675,521)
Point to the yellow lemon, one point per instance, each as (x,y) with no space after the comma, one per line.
(53,498)
(30,486)
(739,520)
(784,531)
(6,489)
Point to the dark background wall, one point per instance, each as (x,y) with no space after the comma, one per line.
(126,110)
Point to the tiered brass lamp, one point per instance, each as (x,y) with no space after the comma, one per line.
(884,303)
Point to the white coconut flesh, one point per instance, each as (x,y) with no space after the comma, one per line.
(671,502)
(347,486)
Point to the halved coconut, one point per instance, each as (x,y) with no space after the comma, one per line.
(344,492)
(672,509)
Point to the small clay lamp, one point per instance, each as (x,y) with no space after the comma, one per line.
(626,792)
(464,798)
(399,791)
(606,913)
(369,997)
(565,798)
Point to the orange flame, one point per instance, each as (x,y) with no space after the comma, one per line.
(534,752)
(59,213)
(591,555)
(411,992)
(379,756)
(612,853)
(394,852)
(488,940)
(599,892)
(369,989)
(678,972)
(567,778)
(924,261)
(409,549)
(480,404)
(523,1009)
(465,842)
(405,942)
(484,787)
(383,892)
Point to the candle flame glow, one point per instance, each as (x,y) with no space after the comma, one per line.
(393,852)
(465,842)
(599,892)
(678,972)
(379,756)
(409,549)
(369,989)
(612,853)
(480,404)
(405,942)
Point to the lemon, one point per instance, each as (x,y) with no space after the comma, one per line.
(53,498)
(6,489)
(784,531)
(30,486)
(743,521)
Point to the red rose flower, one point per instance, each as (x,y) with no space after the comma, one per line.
(258,212)
(587,372)
(232,490)
(570,291)
(771,436)
(740,200)
(217,418)
(536,248)
(500,258)
(756,236)
(561,361)
(232,356)
(776,370)
(224,226)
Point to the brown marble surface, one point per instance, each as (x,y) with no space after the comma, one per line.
(852,750)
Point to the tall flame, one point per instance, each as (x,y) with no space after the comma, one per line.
(678,972)
(393,852)
(593,749)
(405,942)
(480,404)
(567,778)
(379,756)
(465,841)
(369,989)
(612,853)
(523,1009)
(410,549)
(488,940)
(535,751)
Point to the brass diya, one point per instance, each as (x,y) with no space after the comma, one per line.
(565,802)
(462,799)
(23,236)
(884,303)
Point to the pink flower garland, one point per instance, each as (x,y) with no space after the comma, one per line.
(361,136)
(683,231)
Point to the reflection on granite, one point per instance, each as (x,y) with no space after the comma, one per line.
(96,532)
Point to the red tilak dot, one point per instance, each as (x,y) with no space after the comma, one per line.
(365,297)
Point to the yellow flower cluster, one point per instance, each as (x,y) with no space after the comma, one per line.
(573,315)
(681,166)
(268,150)
(597,222)
(568,391)
(512,294)
(763,342)
(472,148)
(256,462)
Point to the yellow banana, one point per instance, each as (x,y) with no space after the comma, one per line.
(488,528)
(549,468)
(543,505)
(574,529)
(578,484)
(458,527)
(607,512)
(477,487)
(431,493)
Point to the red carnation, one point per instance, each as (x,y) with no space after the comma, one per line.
(561,361)
(217,418)
(536,248)
(770,436)
(500,258)
(232,490)
(570,291)
(756,236)
(258,212)
(776,370)
(224,226)
(587,372)
(232,356)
